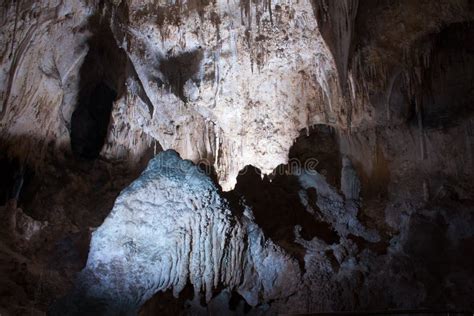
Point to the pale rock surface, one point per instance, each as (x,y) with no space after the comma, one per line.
(254,75)
(234,44)
(39,80)
(247,75)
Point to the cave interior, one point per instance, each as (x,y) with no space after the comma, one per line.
(256,158)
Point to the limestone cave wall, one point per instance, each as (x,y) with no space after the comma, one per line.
(236,157)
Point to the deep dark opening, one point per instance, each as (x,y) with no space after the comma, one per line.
(15,177)
(277,206)
(102,77)
(90,121)
(7,170)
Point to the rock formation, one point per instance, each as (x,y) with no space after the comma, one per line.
(336,139)
(170,227)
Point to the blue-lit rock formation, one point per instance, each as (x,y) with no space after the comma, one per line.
(171,226)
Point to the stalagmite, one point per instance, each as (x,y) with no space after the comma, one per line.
(167,228)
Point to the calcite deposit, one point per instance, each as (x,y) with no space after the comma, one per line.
(236,156)
(170,227)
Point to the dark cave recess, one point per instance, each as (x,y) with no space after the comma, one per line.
(102,78)
(90,122)
(275,199)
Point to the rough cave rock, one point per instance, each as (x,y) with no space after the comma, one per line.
(236,156)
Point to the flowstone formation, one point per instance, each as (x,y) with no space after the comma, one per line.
(171,227)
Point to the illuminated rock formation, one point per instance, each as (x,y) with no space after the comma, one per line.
(92,90)
(169,227)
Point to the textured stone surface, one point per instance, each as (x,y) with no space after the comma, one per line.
(188,77)
(171,227)
(230,84)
